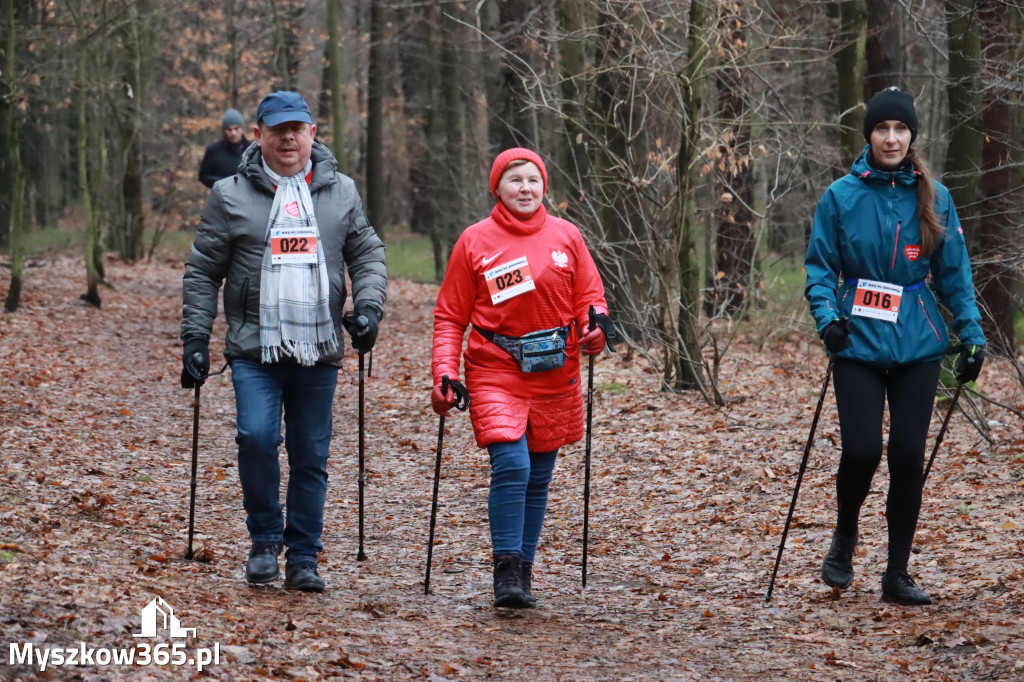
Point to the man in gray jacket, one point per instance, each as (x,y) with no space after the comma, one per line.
(279,235)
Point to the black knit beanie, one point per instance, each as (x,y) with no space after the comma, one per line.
(891,104)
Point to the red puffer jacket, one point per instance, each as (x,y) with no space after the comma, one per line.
(549,253)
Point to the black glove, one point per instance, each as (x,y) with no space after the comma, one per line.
(837,335)
(361,324)
(195,363)
(968,367)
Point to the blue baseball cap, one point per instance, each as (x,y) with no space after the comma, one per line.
(283,106)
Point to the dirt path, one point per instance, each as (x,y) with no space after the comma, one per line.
(687,510)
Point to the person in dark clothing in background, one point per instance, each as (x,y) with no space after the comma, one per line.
(223,156)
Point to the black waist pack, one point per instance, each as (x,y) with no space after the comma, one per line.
(537,351)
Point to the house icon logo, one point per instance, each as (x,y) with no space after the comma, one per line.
(156,612)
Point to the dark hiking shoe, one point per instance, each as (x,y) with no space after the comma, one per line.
(303,577)
(261,568)
(508,588)
(898,588)
(526,581)
(837,569)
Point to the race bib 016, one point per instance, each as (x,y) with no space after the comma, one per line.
(509,280)
(878,300)
(293,245)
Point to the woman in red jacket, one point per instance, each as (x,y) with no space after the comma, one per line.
(526,282)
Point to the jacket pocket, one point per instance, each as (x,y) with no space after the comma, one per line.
(930,336)
(927,317)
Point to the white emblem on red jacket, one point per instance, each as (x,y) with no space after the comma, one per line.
(561,260)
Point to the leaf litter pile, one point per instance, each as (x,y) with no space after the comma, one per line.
(688,504)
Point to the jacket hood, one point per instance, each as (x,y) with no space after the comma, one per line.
(906,174)
(324,167)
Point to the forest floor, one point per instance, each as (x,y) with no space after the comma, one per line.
(687,510)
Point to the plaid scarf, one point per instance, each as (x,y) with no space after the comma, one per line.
(295,316)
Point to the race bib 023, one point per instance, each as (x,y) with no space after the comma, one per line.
(878,300)
(509,280)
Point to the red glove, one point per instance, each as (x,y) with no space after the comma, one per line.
(592,341)
(442,402)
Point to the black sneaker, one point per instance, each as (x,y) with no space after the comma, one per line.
(303,577)
(508,588)
(899,588)
(526,581)
(261,568)
(837,569)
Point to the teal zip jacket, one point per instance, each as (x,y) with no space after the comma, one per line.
(865,227)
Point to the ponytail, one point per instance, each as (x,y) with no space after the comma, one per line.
(927,221)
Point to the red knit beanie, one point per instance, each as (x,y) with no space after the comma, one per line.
(515,154)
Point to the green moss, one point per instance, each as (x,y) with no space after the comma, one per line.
(613,387)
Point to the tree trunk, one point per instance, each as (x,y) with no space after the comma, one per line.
(375,199)
(574,165)
(15,196)
(966,136)
(281,50)
(129,100)
(92,295)
(884,44)
(689,367)
(7,116)
(231,58)
(616,110)
(994,274)
(519,124)
(734,235)
(420,82)
(850,78)
(335,69)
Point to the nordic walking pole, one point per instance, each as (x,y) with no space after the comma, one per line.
(942,431)
(949,413)
(462,404)
(361,556)
(189,555)
(437,478)
(586,466)
(800,476)
(197,359)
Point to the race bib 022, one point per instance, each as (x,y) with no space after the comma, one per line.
(293,245)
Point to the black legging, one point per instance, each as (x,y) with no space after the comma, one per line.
(861,391)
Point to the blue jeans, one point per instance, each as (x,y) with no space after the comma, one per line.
(306,394)
(518,497)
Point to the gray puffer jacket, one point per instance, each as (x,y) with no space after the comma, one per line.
(229,245)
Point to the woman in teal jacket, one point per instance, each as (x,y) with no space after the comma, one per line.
(885,237)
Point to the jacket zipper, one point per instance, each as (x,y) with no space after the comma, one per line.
(925,311)
(896,246)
